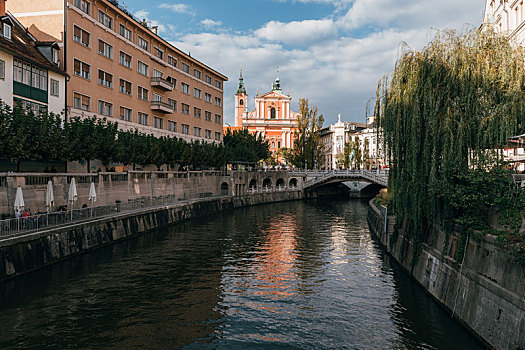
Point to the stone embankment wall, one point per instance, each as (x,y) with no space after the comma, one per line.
(486,292)
(132,185)
(30,252)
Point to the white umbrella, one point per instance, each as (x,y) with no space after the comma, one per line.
(19,200)
(92,193)
(72,196)
(50,197)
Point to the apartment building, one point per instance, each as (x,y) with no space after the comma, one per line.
(507,17)
(123,70)
(29,71)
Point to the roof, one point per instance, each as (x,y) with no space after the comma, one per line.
(23,45)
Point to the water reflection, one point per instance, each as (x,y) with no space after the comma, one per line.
(292,275)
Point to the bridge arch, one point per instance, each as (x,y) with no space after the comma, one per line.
(253,184)
(280,182)
(224,189)
(267,183)
(292,183)
(371,190)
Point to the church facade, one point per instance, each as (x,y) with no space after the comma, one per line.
(272,117)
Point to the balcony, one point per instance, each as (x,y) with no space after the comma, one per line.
(162,107)
(161,83)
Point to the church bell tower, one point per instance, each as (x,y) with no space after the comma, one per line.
(241,100)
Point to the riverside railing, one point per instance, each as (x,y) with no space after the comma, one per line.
(17,226)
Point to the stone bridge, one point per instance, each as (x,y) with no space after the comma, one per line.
(317,180)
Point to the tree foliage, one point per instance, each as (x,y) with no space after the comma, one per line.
(308,148)
(445,112)
(25,136)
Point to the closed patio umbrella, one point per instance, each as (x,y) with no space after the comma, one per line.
(92,193)
(50,197)
(72,196)
(19,200)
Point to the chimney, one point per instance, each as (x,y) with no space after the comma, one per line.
(2,8)
(154,29)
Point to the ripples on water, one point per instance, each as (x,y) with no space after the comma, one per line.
(303,275)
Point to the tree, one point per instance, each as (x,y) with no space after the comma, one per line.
(308,149)
(366,153)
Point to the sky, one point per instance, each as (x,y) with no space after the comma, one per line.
(332,52)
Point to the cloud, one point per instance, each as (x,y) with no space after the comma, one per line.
(297,32)
(179,8)
(337,61)
(209,23)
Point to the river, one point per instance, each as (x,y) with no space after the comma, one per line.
(295,275)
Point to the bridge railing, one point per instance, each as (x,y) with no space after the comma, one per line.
(379,177)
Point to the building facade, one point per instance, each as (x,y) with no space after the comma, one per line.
(334,138)
(272,116)
(507,17)
(29,71)
(122,70)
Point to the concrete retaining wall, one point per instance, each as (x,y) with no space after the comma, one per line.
(26,253)
(486,293)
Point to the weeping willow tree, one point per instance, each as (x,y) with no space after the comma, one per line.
(445,114)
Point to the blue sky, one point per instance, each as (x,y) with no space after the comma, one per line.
(332,52)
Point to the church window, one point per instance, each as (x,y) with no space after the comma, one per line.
(241,102)
(272,113)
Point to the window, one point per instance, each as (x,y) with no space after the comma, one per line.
(55,87)
(125,59)
(218,101)
(106,79)
(105,108)
(142,68)
(218,119)
(125,32)
(185,67)
(141,42)
(172,61)
(197,112)
(7,31)
(126,114)
(38,78)
(159,53)
(218,84)
(125,87)
(207,78)
(196,131)
(105,49)
(185,129)
(28,106)
(28,74)
(218,136)
(196,74)
(2,69)
(157,97)
(272,113)
(173,104)
(80,36)
(81,69)
(185,88)
(83,5)
(207,116)
(142,93)
(196,93)
(142,118)
(157,74)
(105,19)
(54,56)
(157,122)
(81,101)
(207,134)
(241,102)
(172,126)
(207,97)
(185,109)
(278,144)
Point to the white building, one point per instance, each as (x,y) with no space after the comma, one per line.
(29,71)
(507,17)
